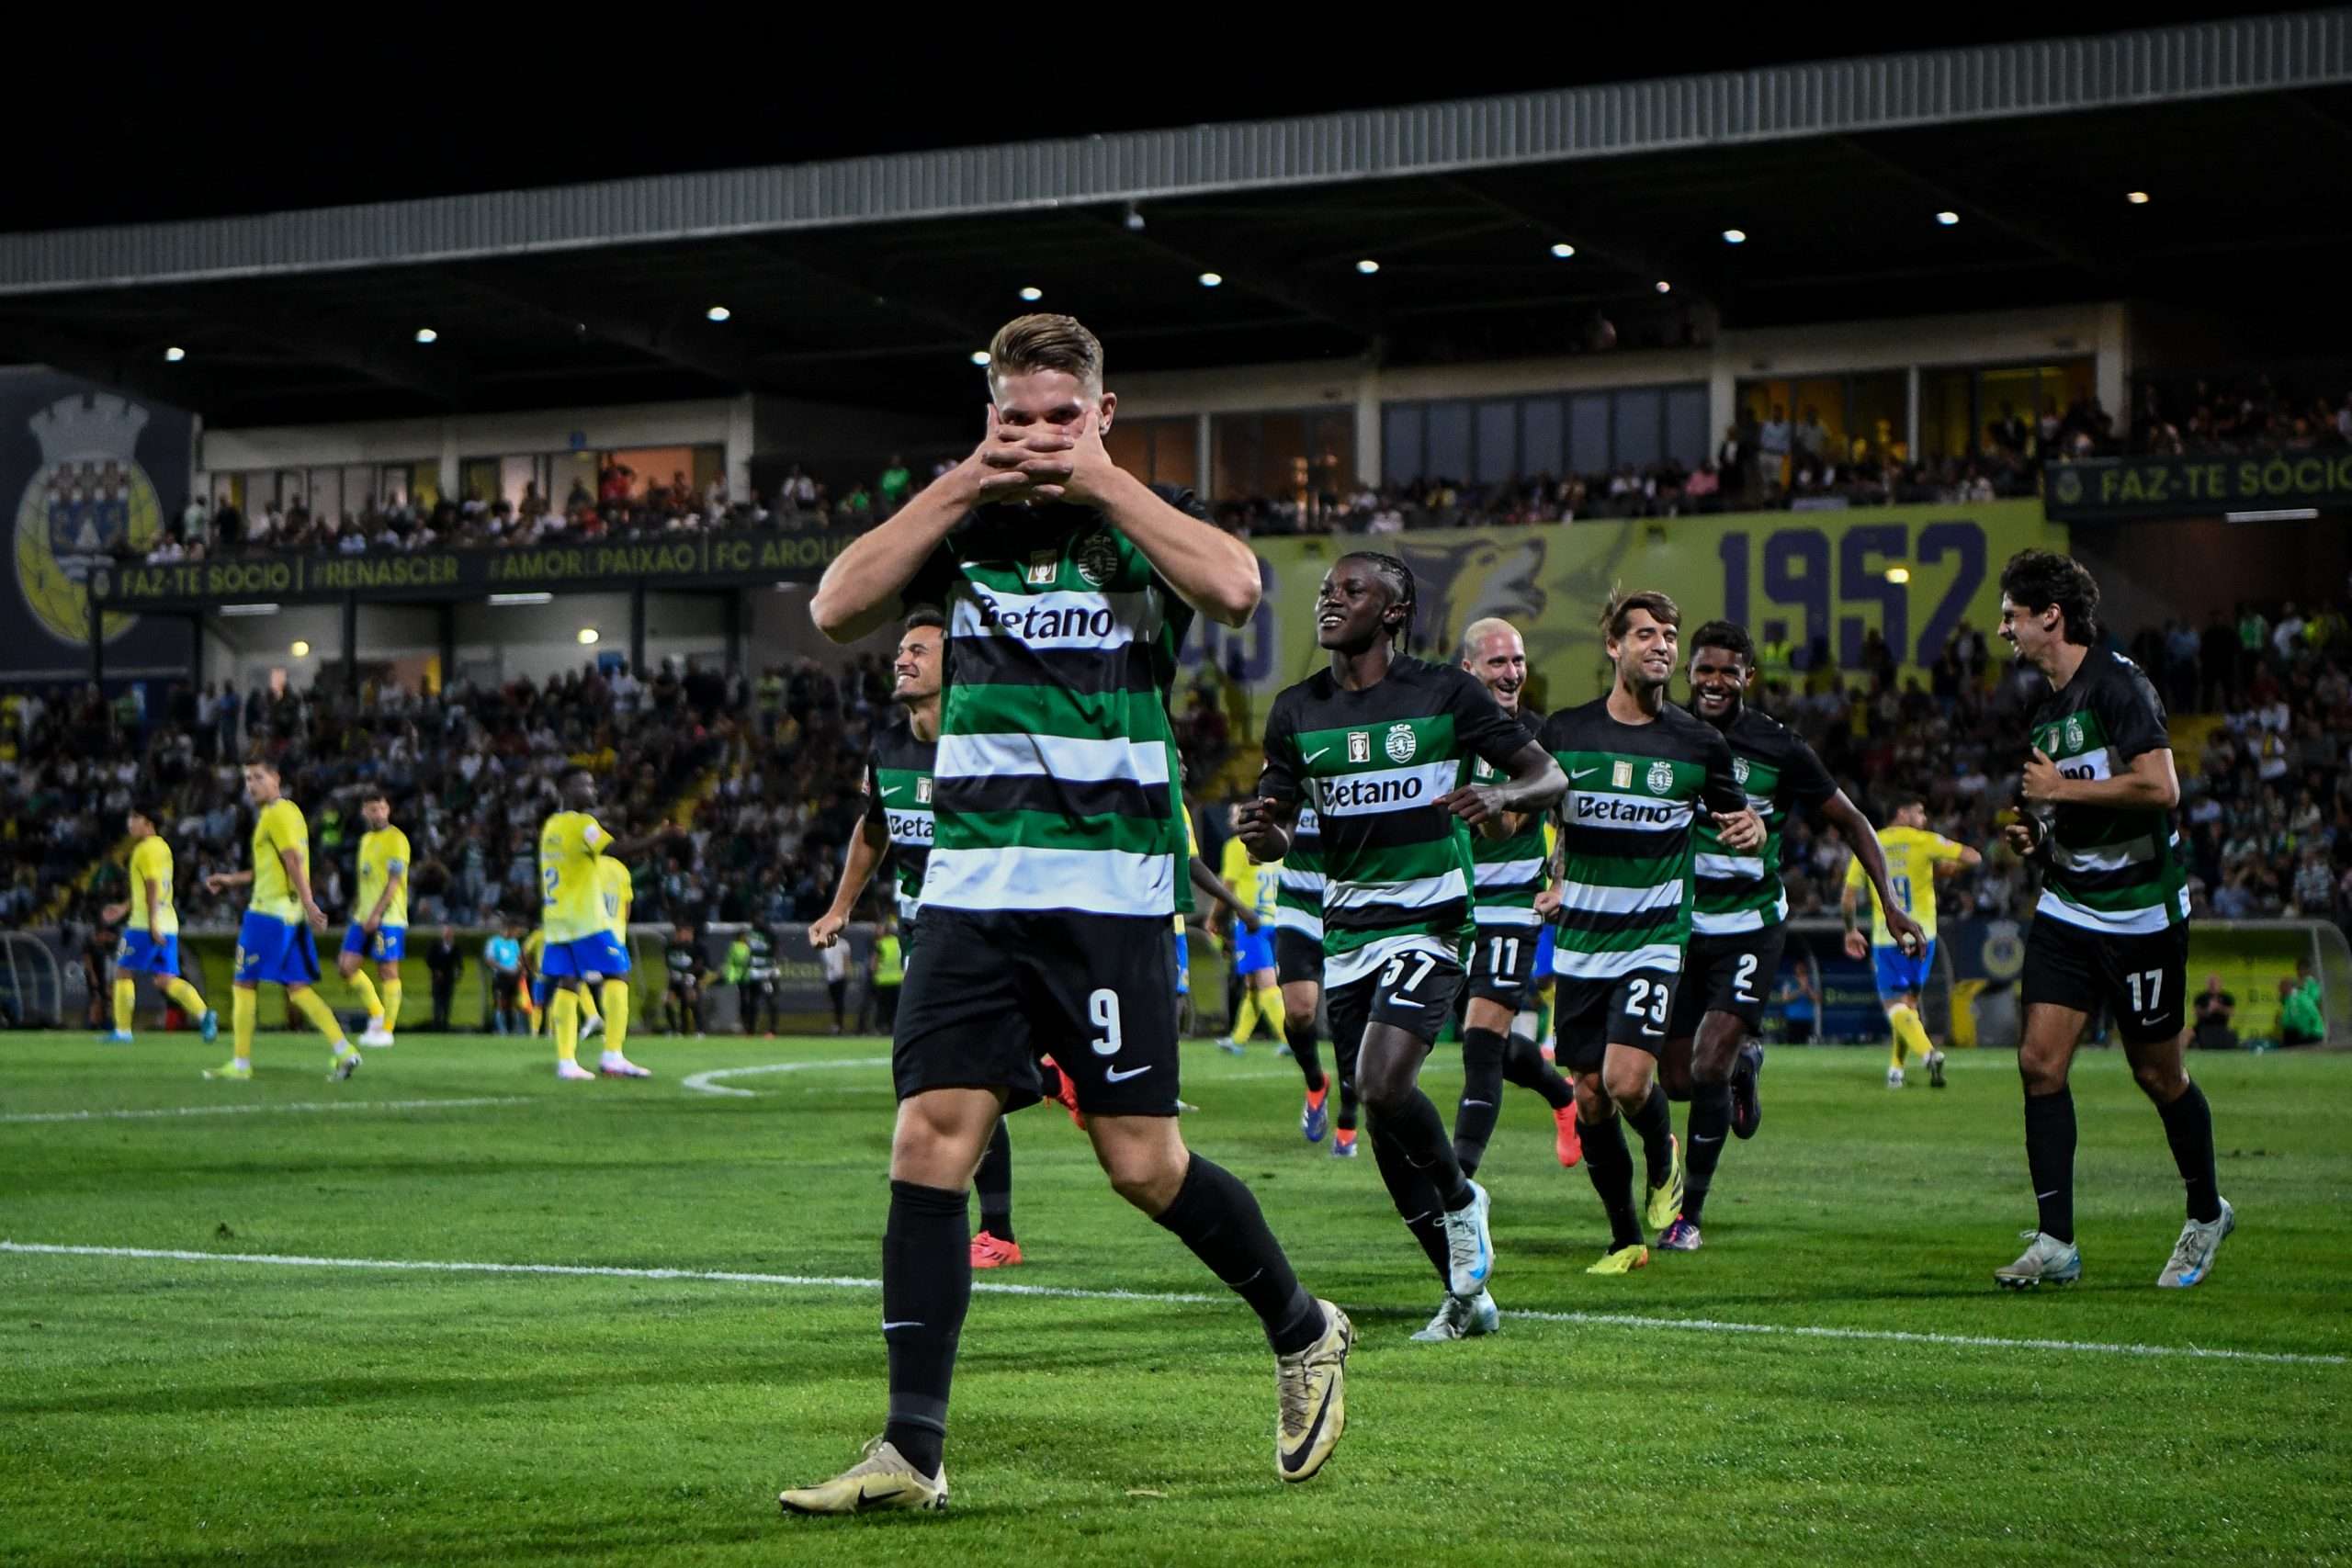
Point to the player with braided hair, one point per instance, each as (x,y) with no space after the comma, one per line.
(1378,746)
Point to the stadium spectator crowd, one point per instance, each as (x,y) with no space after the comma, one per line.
(765,769)
(2268,409)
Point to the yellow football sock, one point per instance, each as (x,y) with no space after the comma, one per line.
(1270,1010)
(126,998)
(587,1003)
(183,996)
(241,1002)
(1908,1032)
(391,990)
(615,1015)
(563,1022)
(313,1007)
(367,996)
(1245,1017)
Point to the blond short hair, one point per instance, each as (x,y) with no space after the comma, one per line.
(1047,341)
(1480,630)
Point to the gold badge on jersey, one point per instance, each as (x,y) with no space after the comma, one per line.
(1359,746)
(922,792)
(1043,566)
(1620,774)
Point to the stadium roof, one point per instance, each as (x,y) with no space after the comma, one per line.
(875,279)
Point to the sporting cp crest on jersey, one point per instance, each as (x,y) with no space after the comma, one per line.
(1359,745)
(1400,744)
(2074,735)
(1739,770)
(1661,777)
(88,500)
(1096,558)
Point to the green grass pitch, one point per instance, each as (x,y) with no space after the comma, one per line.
(161,1409)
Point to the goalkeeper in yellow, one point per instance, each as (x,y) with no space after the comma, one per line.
(152,945)
(382,930)
(277,944)
(585,933)
(1915,858)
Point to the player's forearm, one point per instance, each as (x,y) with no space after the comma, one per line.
(297,876)
(383,900)
(857,870)
(2124,791)
(860,591)
(1208,882)
(155,902)
(1215,572)
(1535,781)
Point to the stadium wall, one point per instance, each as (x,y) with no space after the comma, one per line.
(2102,330)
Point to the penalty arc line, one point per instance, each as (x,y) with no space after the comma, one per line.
(1172,1298)
(707,1083)
(261,1110)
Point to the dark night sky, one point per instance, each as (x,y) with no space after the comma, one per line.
(189,120)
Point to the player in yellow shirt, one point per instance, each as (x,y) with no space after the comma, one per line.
(276,943)
(580,940)
(152,945)
(1915,858)
(382,930)
(1253,946)
(616,890)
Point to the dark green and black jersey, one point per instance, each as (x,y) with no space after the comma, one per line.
(1508,872)
(2110,870)
(897,797)
(1298,900)
(1777,771)
(1055,783)
(1396,870)
(1634,792)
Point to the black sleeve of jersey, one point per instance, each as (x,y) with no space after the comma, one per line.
(1721,793)
(1279,780)
(933,580)
(872,785)
(1803,777)
(1179,613)
(2130,713)
(1480,725)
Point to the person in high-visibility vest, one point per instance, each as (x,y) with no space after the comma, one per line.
(889,973)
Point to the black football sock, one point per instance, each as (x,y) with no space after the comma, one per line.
(1482,1092)
(1524,1066)
(1415,1195)
(2189,1127)
(1709,1123)
(1216,1215)
(993,1182)
(1302,1042)
(2050,1156)
(1654,1122)
(1611,1166)
(1350,1104)
(926,1290)
(1419,1131)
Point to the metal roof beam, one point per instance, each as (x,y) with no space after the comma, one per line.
(1842,97)
(682,337)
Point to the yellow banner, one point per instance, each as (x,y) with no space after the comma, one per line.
(1796,575)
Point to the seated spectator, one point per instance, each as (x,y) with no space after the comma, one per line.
(2214,1009)
(2300,1022)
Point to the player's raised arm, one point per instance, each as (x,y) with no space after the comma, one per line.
(860,592)
(1870,861)
(1210,570)
(1532,778)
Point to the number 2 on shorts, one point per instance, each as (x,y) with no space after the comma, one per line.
(1743,979)
(1102,1011)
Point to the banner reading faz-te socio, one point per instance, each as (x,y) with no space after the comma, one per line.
(704,561)
(2117,490)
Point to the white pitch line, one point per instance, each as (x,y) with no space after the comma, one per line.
(261,1110)
(1169,1297)
(707,1083)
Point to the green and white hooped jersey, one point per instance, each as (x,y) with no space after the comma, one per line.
(1775,769)
(897,797)
(1372,763)
(1507,873)
(1298,907)
(1634,791)
(2118,872)
(1055,783)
